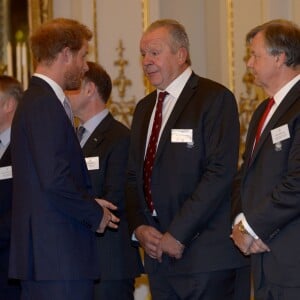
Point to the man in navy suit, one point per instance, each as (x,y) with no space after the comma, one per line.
(267,189)
(105,143)
(55,215)
(11,92)
(183,222)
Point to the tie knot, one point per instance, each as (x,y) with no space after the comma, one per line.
(162,96)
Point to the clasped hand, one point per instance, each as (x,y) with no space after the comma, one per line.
(246,243)
(155,243)
(108,219)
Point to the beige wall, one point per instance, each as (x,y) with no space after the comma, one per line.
(206,22)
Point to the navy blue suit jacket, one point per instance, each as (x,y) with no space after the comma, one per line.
(109,142)
(54,214)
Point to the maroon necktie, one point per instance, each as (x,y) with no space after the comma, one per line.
(151,149)
(262,120)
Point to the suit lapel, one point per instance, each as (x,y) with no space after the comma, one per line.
(289,99)
(6,158)
(144,121)
(182,101)
(97,136)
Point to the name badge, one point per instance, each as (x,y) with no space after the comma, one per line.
(280,134)
(182,136)
(6,173)
(92,163)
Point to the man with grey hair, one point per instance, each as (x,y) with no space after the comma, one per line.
(267,187)
(182,159)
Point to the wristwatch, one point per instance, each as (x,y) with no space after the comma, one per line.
(242,228)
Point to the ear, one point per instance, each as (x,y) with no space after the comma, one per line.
(182,55)
(90,88)
(67,54)
(10,104)
(280,59)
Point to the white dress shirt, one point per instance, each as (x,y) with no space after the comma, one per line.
(4,141)
(174,90)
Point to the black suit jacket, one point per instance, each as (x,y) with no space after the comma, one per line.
(8,288)
(54,214)
(109,142)
(267,190)
(191,183)
(5,205)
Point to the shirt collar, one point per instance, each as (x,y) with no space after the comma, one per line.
(176,86)
(278,97)
(93,122)
(56,88)
(5,137)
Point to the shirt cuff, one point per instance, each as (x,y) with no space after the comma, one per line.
(248,227)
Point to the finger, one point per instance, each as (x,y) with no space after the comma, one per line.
(262,245)
(114,218)
(111,206)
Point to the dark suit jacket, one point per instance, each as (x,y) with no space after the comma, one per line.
(54,214)
(5,204)
(6,285)
(191,184)
(109,142)
(267,190)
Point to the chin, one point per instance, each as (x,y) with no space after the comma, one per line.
(71,86)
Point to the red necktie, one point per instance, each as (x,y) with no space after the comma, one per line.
(262,120)
(151,149)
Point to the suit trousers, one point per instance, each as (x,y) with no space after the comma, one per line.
(58,290)
(270,291)
(114,290)
(232,284)
(10,293)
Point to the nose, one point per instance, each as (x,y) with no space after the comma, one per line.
(146,60)
(250,62)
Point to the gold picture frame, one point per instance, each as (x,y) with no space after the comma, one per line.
(39,11)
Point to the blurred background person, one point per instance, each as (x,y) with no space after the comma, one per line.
(11,92)
(105,142)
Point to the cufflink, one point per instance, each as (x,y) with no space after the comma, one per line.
(242,228)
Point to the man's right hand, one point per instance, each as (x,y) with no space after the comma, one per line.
(108,218)
(149,238)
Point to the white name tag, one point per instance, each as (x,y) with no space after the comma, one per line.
(182,136)
(280,134)
(6,173)
(92,163)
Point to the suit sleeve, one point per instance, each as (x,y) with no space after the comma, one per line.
(134,209)
(114,179)
(51,144)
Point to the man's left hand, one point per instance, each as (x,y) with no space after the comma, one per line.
(171,246)
(241,239)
